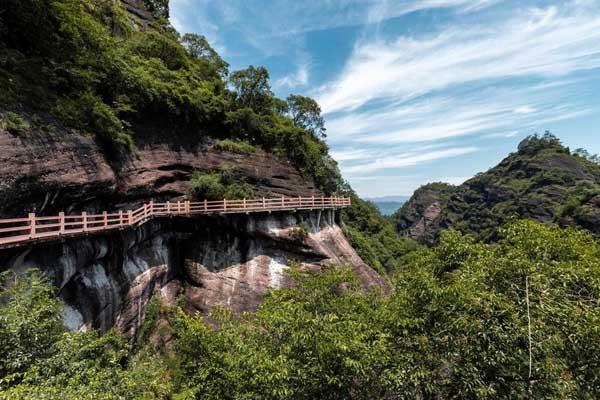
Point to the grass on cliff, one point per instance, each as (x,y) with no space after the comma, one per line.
(235,146)
(468,320)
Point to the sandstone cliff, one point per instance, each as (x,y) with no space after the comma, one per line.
(226,261)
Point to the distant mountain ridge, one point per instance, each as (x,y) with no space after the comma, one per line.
(388,205)
(543,181)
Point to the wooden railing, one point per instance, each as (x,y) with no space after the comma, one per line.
(16,231)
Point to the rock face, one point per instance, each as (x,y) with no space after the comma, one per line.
(225,261)
(420,217)
(49,172)
(543,181)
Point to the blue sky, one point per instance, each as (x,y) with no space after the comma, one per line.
(416,91)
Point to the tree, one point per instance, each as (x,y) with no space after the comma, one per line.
(198,47)
(252,88)
(158,8)
(306,113)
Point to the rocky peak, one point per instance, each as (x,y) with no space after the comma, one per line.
(543,180)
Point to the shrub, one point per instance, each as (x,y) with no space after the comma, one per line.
(14,123)
(226,183)
(88,112)
(232,146)
(207,186)
(300,233)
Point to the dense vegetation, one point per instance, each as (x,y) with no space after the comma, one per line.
(373,236)
(543,180)
(226,183)
(97,68)
(515,319)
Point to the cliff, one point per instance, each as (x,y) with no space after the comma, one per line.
(60,170)
(105,107)
(542,180)
(225,261)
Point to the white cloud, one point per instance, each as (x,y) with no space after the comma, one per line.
(543,43)
(299,78)
(409,159)
(525,110)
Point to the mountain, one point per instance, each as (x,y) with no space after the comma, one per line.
(543,180)
(105,106)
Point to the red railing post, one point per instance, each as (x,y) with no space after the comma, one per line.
(224,204)
(178,206)
(244,203)
(105,215)
(168,207)
(282,201)
(313,201)
(151,206)
(84,221)
(205,205)
(31,225)
(187,206)
(129,217)
(61,223)
(264,202)
(120,217)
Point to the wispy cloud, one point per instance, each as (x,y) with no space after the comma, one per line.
(299,78)
(546,42)
(410,159)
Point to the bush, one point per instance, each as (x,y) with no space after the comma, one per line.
(300,233)
(224,184)
(14,123)
(39,359)
(207,186)
(239,147)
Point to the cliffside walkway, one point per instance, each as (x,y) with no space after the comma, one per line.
(21,231)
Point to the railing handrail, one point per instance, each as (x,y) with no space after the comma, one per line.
(15,231)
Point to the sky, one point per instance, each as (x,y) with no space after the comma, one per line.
(419,91)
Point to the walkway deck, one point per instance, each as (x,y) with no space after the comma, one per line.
(22,231)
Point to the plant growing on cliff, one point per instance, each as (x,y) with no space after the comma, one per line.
(235,146)
(300,232)
(226,183)
(14,123)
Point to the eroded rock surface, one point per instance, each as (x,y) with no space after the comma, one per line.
(60,170)
(212,261)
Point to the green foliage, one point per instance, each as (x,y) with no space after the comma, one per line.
(235,146)
(29,323)
(374,237)
(38,359)
(158,8)
(464,320)
(87,65)
(300,232)
(315,340)
(14,123)
(198,47)
(306,113)
(88,112)
(226,183)
(252,89)
(456,326)
(543,180)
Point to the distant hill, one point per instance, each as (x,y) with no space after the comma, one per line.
(543,181)
(388,205)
